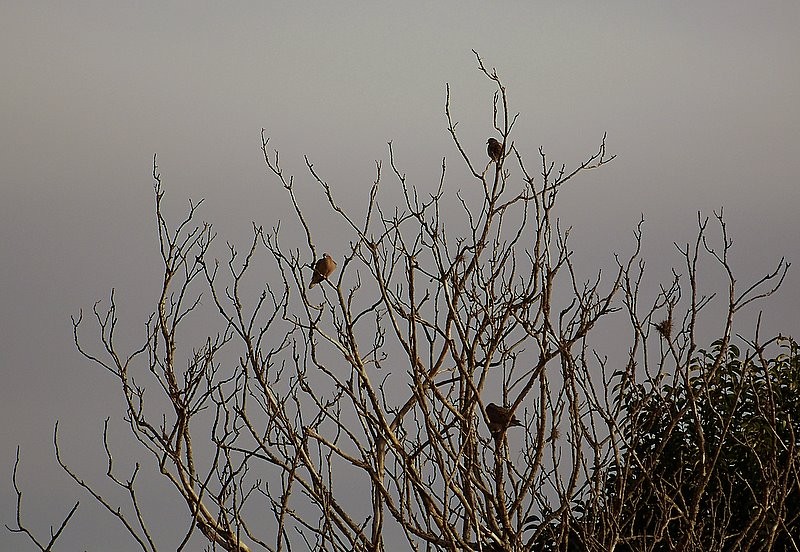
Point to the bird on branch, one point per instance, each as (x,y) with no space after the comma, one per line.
(495,149)
(323,268)
(500,418)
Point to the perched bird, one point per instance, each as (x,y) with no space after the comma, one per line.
(500,418)
(495,149)
(322,269)
(664,327)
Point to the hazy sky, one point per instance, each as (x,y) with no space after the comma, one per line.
(701,102)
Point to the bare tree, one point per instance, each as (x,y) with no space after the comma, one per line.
(379,378)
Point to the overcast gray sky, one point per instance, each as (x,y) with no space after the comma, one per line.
(701,102)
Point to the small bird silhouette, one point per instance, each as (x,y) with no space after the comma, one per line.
(495,149)
(664,327)
(500,418)
(322,269)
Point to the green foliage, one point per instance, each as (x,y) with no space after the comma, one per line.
(713,455)
(711,461)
